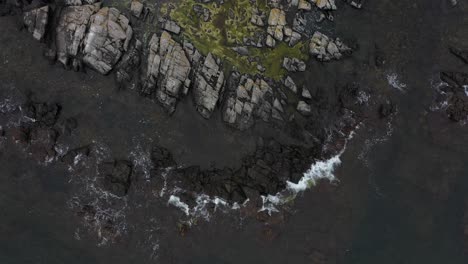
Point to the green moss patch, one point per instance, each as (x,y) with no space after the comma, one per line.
(227,28)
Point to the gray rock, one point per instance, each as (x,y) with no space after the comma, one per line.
(107,38)
(294,38)
(304,108)
(136,8)
(79,2)
(289,83)
(358,3)
(167,72)
(261,68)
(171,26)
(193,54)
(36,21)
(299,23)
(294,65)
(71,30)
(270,41)
(305,93)
(326,49)
(202,12)
(246,100)
(304,5)
(325,4)
(258,17)
(277,105)
(243,51)
(276,23)
(73,2)
(277,17)
(208,83)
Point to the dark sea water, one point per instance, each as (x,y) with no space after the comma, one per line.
(402,189)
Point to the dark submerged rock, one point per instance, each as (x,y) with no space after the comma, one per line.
(116,176)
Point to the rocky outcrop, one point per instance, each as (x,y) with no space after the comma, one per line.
(36,21)
(264,172)
(171,26)
(304,108)
(248,99)
(107,38)
(290,84)
(116,176)
(294,65)
(167,71)
(457,95)
(97,36)
(325,4)
(326,49)
(356,3)
(79,2)
(276,23)
(258,17)
(208,83)
(71,30)
(37,132)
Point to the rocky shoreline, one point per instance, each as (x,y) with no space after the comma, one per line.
(282,102)
(164,68)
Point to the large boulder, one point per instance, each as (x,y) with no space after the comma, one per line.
(116,176)
(325,4)
(36,21)
(326,49)
(108,37)
(167,72)
(71,30)
(276,23)
(208,84)
(294,64)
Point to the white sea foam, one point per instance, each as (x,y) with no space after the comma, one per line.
(203,205)
(322,169)
(363,98)
(393,81)
(175,201)
(141,161)
(319,170)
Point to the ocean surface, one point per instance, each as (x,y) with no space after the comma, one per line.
(401,189)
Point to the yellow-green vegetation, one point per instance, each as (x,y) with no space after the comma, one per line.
(227,28)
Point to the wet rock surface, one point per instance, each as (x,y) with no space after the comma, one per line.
(455,93)
(116,176)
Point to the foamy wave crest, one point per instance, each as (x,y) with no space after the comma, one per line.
(320,170)
(141,161)
(204,206)
(393,81)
